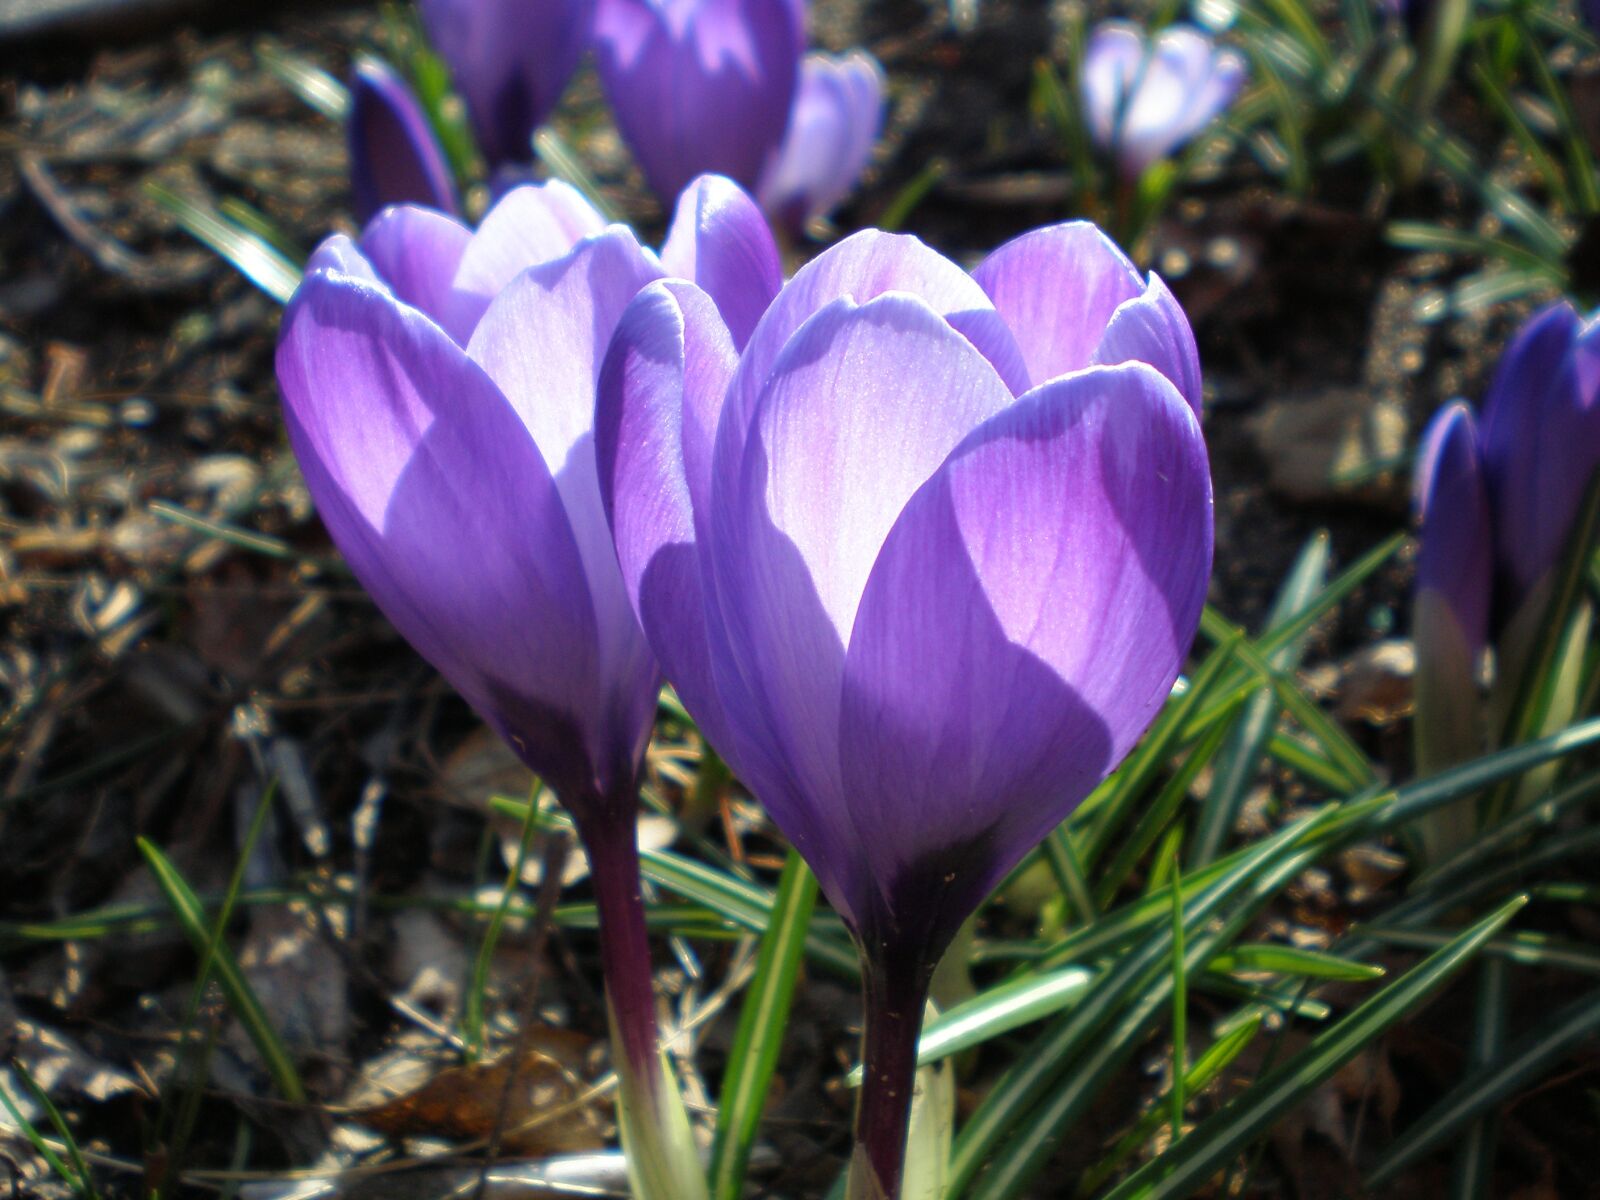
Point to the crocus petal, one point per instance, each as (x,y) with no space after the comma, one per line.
(660,393)
(1022,626)
(699,86)
(863,266)
(417,252)
(838,112)
(1456,555)
(859,410)
(530,225)
(1111,64)
(510,62)
(1541,444)
(1153,329)
(1057,289)
(442,505)
(394,156)
(542,341)
(720,241)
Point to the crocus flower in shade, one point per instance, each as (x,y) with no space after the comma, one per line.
(439,390)
(510,60)
(394,156)
(700,85)
(1450,613)
(837,114)
(923,560)
(1144,99)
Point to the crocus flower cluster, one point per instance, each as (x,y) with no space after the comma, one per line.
(1497,501)
(1144,98)
(923,558)
(696,86)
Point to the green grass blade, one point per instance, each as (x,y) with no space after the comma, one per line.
(235,986)
(1294,962)
(1580,161)
(762,1021)
(80,1178)
(563,162)
(257,259)
(305,79)
(473,1019)
(1485,1088)
(1180,1007)
(1527,948)
(1473,1174)
(1062,856)
(1185,1166)
(1239,761)
(35,1138)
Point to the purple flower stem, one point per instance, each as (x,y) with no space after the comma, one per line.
(896,992)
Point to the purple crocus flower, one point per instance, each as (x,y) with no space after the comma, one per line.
(923,560)
(700,85)
(833,126)
(1143,99)
(510,61)
(394,156)
(439,391)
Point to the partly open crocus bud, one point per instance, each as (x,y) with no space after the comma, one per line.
(394,156)
(923,560)
(1450,612)
(1143,99)
(510,61)
(700,85)
(439,390)
(834,124)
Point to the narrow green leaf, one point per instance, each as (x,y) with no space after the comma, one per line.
(80,1178)
(310,82)
(762,1021)
(1485,1088)
(1473,1174)
(235,986)
(1186,1165)
(36,1139)
(473,1012)
(1290,960)
(564,163)
(910,197)
(250,254)
(1180,1006)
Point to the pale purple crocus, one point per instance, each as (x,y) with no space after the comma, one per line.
(923,560)
(510,60)
(833,126)
(439,392)
(395,158)
(700,86)
(1143,99)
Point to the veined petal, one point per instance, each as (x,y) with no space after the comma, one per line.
(720,241)
(1111,64)
(542,341)
(660,391)
(699,87)
(1057,289)
(1153,329)
(394,156)
(417,251)
(1021,627)
(529,226)
(1456,554)
(437,496)
(859,410)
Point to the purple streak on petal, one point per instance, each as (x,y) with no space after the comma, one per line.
(436,495)
(864,266)
(837,115)
(1111,64)
(1456,556)
(720,241)
(1021,628)
(530,225)
(860,408)
(394,156)
(660,393)
(699,86)
(416,251)
(1153,329)
(1541,444)
(510,61)
(1057,289)
(542,341)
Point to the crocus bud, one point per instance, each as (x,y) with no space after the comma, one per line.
(923,560)
(834,124)
(700,85)
(439,391)
(394,156)
(1450,619)
(510,61)
(1541,445)
(1144,99)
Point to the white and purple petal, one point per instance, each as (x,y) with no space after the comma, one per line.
(719,241)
